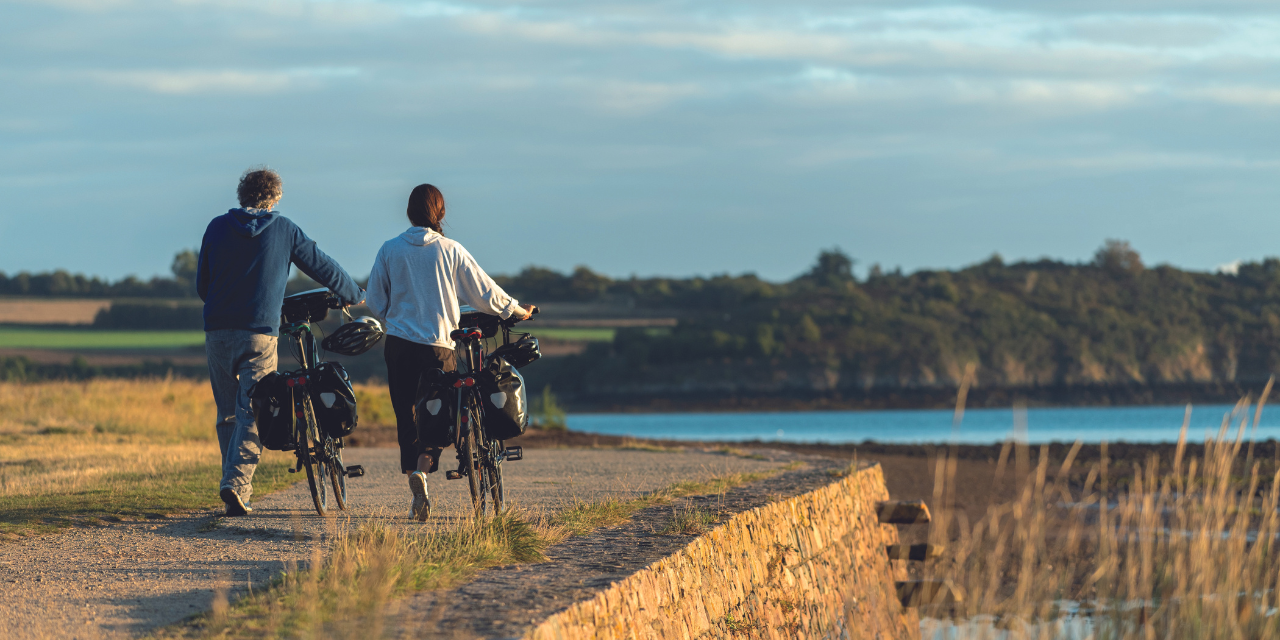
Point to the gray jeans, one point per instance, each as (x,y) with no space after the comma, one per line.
(237,359)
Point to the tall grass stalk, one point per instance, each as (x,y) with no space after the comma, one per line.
(1186,550)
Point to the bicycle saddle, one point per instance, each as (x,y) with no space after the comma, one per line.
(486,323)
(308,306)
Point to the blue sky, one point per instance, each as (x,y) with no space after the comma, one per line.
(669,138)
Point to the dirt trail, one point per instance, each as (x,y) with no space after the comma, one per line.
(121,580)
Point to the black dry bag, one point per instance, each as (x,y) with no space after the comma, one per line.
(272,404)
(506,409)
(332,399)
(434,413)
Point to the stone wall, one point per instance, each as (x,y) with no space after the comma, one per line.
(812,566)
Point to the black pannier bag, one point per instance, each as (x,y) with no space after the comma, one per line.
(332,399)
(506,409)
(435,412)
(272,404)
(520,353)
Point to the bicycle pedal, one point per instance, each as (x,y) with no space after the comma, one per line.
(453,475)
(355,471)
(513,453)
(293,471)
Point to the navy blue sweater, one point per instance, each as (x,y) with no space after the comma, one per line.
(244,266)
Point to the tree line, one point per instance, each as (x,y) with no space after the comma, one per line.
(1032,323)
(1111,320)
(62,284)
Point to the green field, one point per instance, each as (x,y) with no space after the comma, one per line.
(572,333)
(41,338)
(26,338)
(585,334)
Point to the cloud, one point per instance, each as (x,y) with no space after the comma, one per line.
(874,124)
(186,82)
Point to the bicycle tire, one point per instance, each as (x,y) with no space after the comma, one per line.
(475,471)
(312,458)
(494,471)
(338,475)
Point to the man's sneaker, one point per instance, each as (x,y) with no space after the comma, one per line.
(421,503)
(235,505)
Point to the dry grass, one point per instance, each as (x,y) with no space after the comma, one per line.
(45,311)
(1185,553)
(82,452)
(162,410)
(690,521)
(632,444)
(374,402)
(584,517)
(345,595)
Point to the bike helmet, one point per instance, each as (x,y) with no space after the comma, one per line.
(355,337)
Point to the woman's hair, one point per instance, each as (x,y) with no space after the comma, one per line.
(259,187)
(426,207)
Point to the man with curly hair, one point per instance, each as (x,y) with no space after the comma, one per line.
(241,276)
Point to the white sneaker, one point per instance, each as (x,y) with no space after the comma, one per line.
(236,506)
(421,503)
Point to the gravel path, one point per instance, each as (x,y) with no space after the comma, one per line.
(121,580)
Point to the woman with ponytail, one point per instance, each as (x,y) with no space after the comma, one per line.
(417,282)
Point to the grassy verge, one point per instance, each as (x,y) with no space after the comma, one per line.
(691,521)
(76,338)
(346,593)
(61,480)
(584,517)
(86,453)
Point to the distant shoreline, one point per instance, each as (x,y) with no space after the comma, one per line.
(1099,395)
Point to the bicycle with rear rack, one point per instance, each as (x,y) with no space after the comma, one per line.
(317,452)
(480,453)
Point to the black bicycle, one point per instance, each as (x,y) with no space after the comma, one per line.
(480,454)
(318,453)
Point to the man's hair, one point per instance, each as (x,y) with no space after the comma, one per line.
(426,207)
(259,188)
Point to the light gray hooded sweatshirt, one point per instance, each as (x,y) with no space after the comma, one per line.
(417,281)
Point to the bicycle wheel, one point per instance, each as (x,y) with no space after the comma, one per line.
(313,457)
(338,475)
(493,469)
(475,470)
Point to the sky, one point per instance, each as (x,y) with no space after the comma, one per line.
(651,138)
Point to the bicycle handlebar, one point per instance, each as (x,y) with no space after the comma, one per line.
(512,321)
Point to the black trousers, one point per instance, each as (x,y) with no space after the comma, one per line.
(406,362)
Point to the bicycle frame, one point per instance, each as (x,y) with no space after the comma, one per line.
(314,448)
(479,457)
(301,334)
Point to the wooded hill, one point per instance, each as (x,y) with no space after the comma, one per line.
(1046,323)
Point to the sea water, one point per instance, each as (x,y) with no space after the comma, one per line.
(978,426)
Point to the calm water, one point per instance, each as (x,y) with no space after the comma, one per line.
(1093,424)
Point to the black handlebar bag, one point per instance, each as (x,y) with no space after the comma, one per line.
(434,414)
(506,409)
(333,399)
(272,404)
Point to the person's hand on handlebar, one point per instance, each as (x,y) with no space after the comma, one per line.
(524,311)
